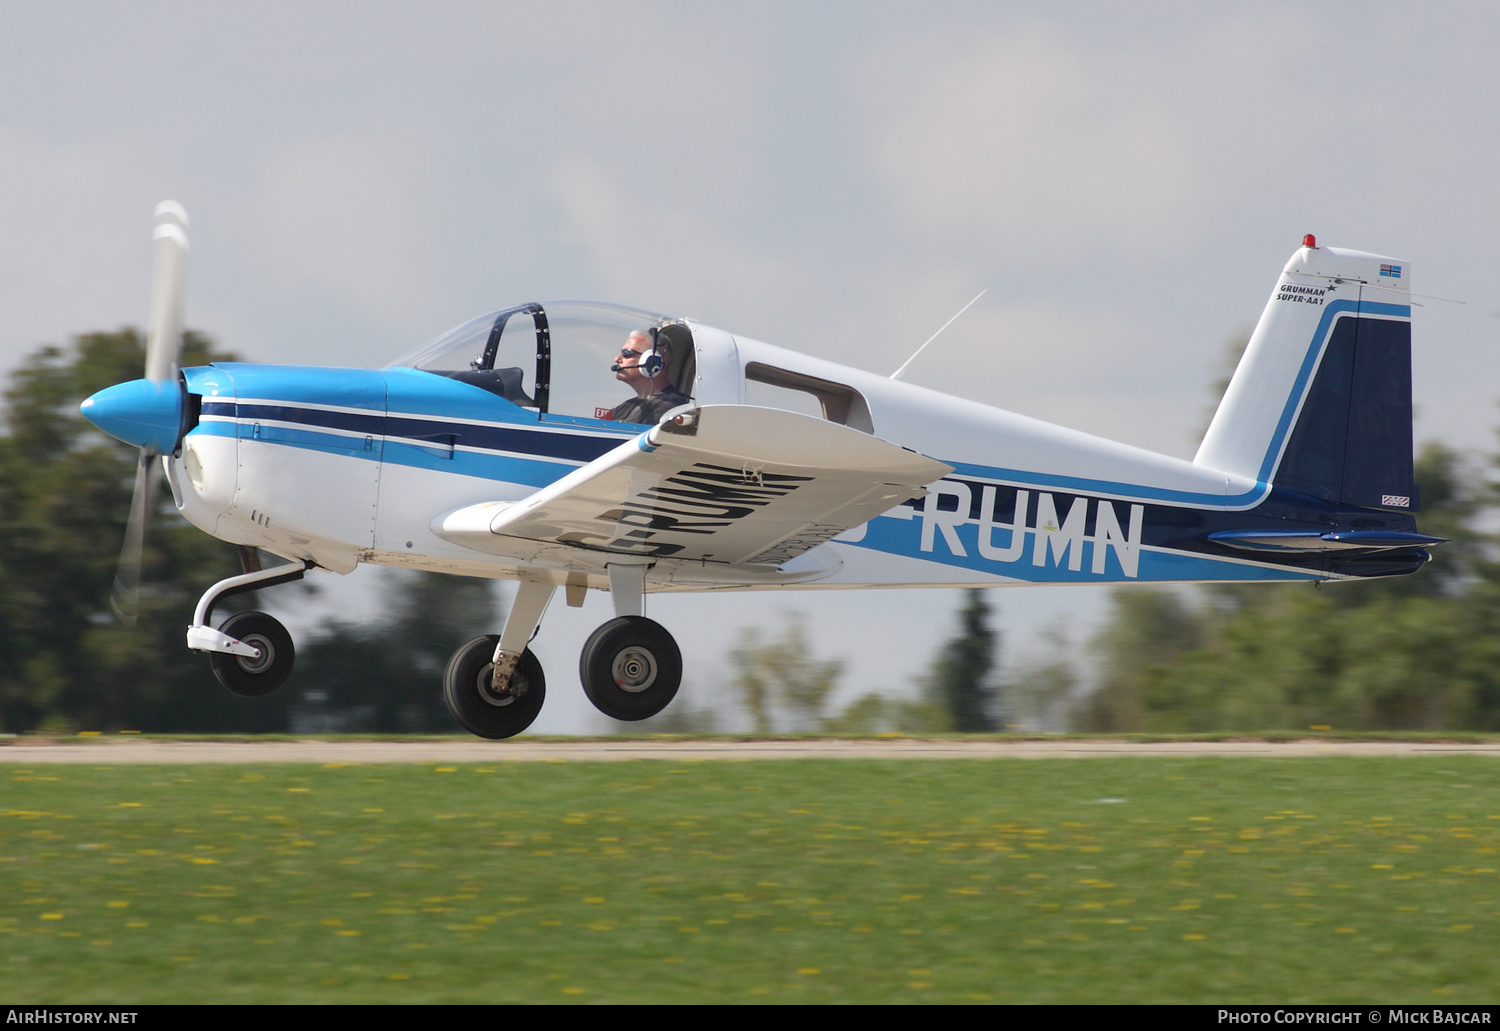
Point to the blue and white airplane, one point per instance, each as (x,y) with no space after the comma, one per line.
(501,449)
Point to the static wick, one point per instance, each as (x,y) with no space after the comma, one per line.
(898,372)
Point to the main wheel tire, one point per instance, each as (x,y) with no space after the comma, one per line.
(630,668)
(468,690)
(255,677)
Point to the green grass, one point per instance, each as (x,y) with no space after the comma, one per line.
(1098,880)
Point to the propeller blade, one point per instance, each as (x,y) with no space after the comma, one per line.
(163,352)
(126,596)
(169,260)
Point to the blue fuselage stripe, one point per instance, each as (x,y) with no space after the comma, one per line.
(566,447)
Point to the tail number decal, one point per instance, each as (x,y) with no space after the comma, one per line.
(1055,539)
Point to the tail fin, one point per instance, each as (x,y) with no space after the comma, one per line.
(1321,401)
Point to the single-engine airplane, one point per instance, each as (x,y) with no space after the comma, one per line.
(509,448)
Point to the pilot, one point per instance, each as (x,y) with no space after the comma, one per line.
(645,363)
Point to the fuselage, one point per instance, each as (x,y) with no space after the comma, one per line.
(343,466)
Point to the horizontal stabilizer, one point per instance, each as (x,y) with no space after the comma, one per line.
(1315,541)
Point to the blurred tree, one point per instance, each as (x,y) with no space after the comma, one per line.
(1044,688)
(64,498)
(959,681)
(1147,627)
(1398,653)
(867,714)
(781,675)
(387,676)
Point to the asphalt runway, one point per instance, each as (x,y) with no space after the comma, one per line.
(116,750)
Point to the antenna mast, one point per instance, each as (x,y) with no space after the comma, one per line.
(898,372)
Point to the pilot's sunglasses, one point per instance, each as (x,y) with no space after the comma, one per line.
(626,352)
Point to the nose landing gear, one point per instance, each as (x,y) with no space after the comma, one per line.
(251,654)
(257,675)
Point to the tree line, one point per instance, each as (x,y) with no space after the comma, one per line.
(1418,652)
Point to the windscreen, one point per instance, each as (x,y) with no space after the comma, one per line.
(461,348)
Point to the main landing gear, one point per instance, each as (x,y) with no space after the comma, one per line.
(630,667)
(482,707)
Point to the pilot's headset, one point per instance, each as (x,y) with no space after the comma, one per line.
(652,362)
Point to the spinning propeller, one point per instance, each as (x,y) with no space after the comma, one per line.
(148,412)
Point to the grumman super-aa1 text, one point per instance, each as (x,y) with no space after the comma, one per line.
(1300,294)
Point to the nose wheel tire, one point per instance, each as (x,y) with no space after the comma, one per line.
(630,668)
(468,688)
(258,675)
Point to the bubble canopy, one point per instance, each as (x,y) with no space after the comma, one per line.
(556,357)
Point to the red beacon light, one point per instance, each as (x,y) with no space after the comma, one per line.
(1310,241)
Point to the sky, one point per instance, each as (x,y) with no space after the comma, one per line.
(1126,181)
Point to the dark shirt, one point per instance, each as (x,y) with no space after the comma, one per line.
(649,409)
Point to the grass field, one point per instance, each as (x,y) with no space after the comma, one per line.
(1098,880)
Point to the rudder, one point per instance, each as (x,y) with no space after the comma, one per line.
(1321,401)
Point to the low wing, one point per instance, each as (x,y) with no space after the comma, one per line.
(732,484)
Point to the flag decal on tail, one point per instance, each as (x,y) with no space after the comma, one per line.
(1393,271)
(1395,501)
